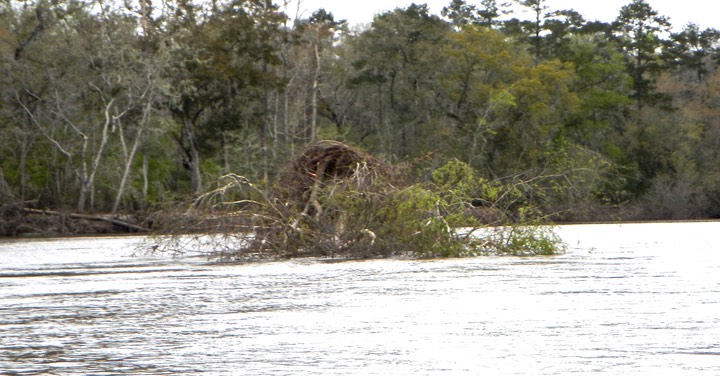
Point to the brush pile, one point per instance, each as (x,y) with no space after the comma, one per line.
(334,200)
(326,161)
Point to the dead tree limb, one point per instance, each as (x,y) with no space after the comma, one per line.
(116,222)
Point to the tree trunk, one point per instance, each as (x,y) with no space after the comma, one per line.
(5,191)
(146,183)
(313,112)
(195,173)
(22,166)
(88,177)
(130,157)
(126,172)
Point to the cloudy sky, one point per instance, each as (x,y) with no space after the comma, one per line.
(702,12)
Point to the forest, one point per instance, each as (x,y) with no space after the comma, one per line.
(127,107)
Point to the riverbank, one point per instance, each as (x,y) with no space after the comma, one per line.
(21,222)
(16,221)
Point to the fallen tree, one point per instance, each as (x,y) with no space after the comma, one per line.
(18,220)
(124,225)
(334,200)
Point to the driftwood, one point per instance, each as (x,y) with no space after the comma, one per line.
(115,222)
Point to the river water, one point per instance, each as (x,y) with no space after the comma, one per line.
(631,299)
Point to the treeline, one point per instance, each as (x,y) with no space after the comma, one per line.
(123,106)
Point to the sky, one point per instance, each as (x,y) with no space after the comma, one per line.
(701,12)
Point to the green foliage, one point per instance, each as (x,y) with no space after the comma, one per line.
(691,49)
(396,72)
(639,32)
(457,177)
(353,220)
(602,85)
(416,225)
(418,222)
(541,110)
(432,221)
(522,241)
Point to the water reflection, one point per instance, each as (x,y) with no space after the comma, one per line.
(631,299)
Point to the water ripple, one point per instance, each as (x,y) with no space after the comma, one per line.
(622,301)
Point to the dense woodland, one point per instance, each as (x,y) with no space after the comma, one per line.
(127,106)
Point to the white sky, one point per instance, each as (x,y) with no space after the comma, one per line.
(702,12)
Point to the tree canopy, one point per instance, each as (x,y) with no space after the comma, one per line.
(110,107)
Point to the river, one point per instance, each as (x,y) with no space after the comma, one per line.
(630,299)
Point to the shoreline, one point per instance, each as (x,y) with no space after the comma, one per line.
(103,233)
